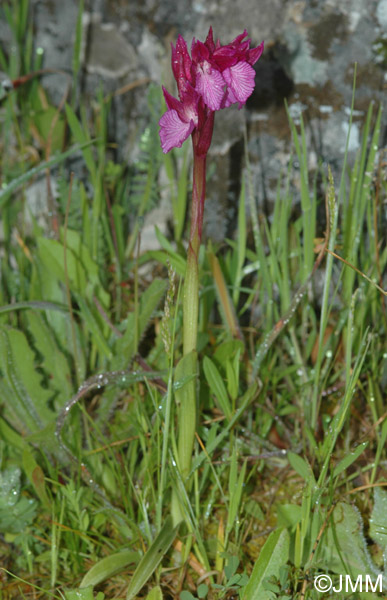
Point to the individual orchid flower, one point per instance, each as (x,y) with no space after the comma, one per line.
(180,119)
(234,64)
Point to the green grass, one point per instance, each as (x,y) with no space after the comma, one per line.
(289,466)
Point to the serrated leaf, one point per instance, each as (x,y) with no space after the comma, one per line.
(274,554)
(109,566)
(17,518)
(24,394)
(378,522)
(54,363)
(152,558)
(345,546)
(16,512)
(45,284)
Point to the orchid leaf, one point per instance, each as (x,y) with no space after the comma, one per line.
(274,554)
(27,399)
(217,386)
(152,558)
(109,566)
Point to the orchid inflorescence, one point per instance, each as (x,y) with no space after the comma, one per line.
(214,78)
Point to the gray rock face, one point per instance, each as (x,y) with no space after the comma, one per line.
(310,50)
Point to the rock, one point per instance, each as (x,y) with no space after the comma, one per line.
(310,50)
(105,50)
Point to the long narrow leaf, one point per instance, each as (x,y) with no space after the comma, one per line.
(152,558)
(53,162)
(109,566)
(274,554)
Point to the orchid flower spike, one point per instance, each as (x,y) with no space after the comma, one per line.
(212,78)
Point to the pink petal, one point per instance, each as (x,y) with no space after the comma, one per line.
(210,84)
(173,131)
(229,99)
(172,103)
(239,38)
(254,54)
(224,57)
(210,41)
(240,80)
(181,61)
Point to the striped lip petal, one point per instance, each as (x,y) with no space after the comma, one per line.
(240,80)
(210,85)
(229,98)
(174,131)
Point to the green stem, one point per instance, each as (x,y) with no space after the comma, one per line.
(187,367)
(190,303)
(191,284)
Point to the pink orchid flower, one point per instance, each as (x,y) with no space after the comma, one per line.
(214,78)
